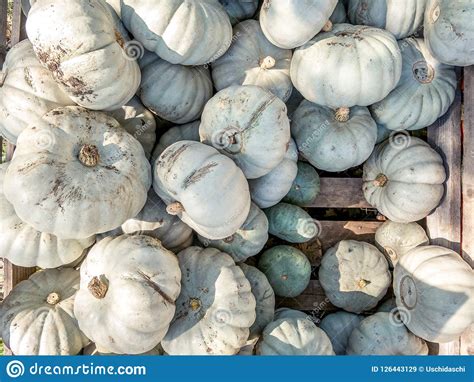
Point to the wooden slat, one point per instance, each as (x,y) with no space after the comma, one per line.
(312,300)
(341,193)
(335,231)
(3,29)
(16,22)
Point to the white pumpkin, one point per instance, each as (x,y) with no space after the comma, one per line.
(291,23)
(179,31)
(293,333)
(239,9)
(26,5)
(175,93)
(204,188)
(37,317)
(404,180)
(215,309)
(253,60)
(249,125)
(129,285)
(271,188)
(435,287)
(91,349)
(187,132)
(354,275)
(70,168)
(83,47)
(352,65)
(339,326)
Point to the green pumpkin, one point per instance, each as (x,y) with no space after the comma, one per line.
(305,187)
(287,269)
(291,223)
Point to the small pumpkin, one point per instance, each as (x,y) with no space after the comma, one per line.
(397,239)
(253,60)
(249,125)
(339,326)
(293,333)
(141,269)
(354,275)
(175,93)
(37,316)
(434,285)
(204,188)
(334,140)
(404,180)
(367,58)
(91,349)
(384,334)
(287,269)
(271,188)
(216,306)
(187,132)
(305,187)
(423,78)
(239,10)
(249,239)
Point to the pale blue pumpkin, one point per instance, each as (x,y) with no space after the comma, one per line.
(305,187)
(239,10)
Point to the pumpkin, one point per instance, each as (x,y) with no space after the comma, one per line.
(26,5)
(179,31)
(253,60)
(204,188)
(383,133)
(334,140)
(175,93)
(37,316)
(291,223)
(140,269)
(249,125)
(448,31)
(404,180)
(384,334)
(339,14)
(354,275)
(339,326)
(264,297)
(139,122)
(239,10)
(249,347)
(287,269)
(271,188)
(293,333)
(423,78)
(249,239)
(82,46)
(367,58)
(305,187)
(402,18)
(289,24)
(187,132)
(91,349)
(27,91)
(24,246)
(216,306)
(435,286)
(70,168)
(397,239)
(293,102)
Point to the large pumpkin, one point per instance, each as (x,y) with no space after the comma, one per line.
(70,168)
(187,132)
(239,9)
(334,140)
(434,287)
(305,187)
(253,60)
(37,316)
(248,124)
(179,31)
(289,24)
(352,65)
(448,31)
(82,46)
(339,326)
(26,5)
(423,78)
(216,306)
(126,302)
(404,179)
(204,188)
(27,91)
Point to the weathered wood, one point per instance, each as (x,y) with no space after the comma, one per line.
(3,29)
(341,193)
(17,16)
(312,300)
(335,231)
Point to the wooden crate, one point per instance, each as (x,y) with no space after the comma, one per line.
(451,225)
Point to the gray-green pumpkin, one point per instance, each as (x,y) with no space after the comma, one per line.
(287,269)
(239,9)
(187,132)
(291,223)
(339,326)
(305,187)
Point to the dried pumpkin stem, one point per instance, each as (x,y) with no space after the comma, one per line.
(98,286)
(267,62)
(175,208)
(89,155)
(380,181)
(363,283)
(229,239)
(53,298)
(328,26)
(194,304)
(342,114)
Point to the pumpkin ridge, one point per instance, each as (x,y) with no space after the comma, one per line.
(156,287)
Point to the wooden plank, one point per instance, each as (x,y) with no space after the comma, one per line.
(3,29)
(17,17)
(341,193)
(312,300)
(335,231)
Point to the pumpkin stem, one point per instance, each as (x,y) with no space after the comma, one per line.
(363,283)
(194,304)
(53,298)
(284,277)
(175,208)
(229,239)
(266,4)
(391,253)
(267,62)
(98,286)
(328,26)
(3,77)
(342,114)
(380,181)
(89,155)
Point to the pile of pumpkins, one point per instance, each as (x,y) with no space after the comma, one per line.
(143,245)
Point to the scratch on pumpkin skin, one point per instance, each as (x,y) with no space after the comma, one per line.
(257,113)
(155,286)
(197,175)
(172,156)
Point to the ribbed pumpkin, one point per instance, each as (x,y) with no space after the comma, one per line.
(91,349)
(26,5)
(404,180)
(424,93)
(239,9)
(253,60)
(339,326)
(187,132)
(305,187)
